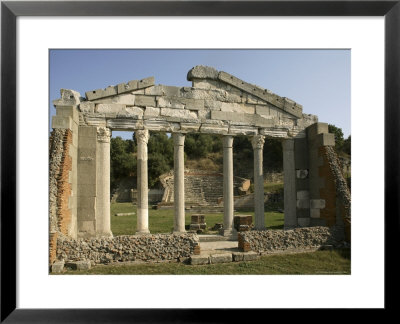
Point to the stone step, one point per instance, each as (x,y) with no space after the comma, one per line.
(223,258)
(212,238)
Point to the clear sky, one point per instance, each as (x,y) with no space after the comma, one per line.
(317,79)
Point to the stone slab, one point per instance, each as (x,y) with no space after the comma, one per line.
(124,124)
(317,203)
(199,259)
(101,93)
(145,101)
(303,203)
(78,265)
(220,258)
(57,267)
(61,122)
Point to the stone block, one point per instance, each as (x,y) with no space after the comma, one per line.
(202,72)
(214,129)
(204,84)
(237,256)
(145,101)
(303,222)
(274,132)
(242,220)
(79,265)
(250,256)
(303,194)
(325,139)
(101,93)
(68,111)
(262,110)
(198,218)
(190,127)
(131,112)
(109,108)
(96,121)
(220,258)
(125,99)
(315,213)
(302,174)
(151,112)
(61,122)
(57,267)
(303,203)
(162,90)
(165,102)
(213,104)
(316,128)
(317,203)
(199,259)
(68,98)
(124,124)
(237,107)
(242,130)
(179,113)
(161,125)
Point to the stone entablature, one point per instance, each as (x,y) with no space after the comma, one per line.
(217,103)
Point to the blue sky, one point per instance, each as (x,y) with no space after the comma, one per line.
(317,79)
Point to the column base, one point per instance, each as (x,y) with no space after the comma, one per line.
(179,232)
(231,234)
(142,232)
(108,235)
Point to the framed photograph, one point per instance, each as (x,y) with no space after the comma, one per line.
(370,30)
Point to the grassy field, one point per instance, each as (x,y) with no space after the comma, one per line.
(320,262)
(162,220)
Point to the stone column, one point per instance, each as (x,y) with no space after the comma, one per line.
(289,184)
(103,225)
(228,229)
(179,182)
(258,146)
(142,137)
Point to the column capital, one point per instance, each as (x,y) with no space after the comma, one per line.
(179,139)
(258,141)
(227,141)
(142,135)
(103,134)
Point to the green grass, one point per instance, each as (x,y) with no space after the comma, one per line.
(319,262)
(273,187)
(162,220)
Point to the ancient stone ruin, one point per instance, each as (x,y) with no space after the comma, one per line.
(217,103)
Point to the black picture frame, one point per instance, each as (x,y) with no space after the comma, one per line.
(10,10)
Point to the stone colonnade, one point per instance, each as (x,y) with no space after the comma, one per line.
(228,193)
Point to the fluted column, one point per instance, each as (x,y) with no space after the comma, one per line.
(289,184)
(103,221)
(179,182)
(228,229)
(142,137)
(258,146)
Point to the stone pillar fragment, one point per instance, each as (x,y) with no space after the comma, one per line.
(103,221)
(179,182)
(228,229)
(142,137)
(258,145)
(289,184)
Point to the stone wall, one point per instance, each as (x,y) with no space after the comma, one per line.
(151,247)
(298,238)
(60,166)
(338,188)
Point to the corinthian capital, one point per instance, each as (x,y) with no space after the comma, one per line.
(103,134)
(258,141)
(142,135)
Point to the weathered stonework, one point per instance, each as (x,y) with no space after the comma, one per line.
(151,247)
(217,103)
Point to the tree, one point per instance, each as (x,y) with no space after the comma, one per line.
(338,133)
(347,145)
(122,160)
